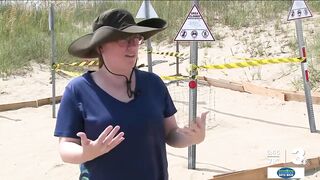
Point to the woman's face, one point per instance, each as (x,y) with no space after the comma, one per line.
(122,54)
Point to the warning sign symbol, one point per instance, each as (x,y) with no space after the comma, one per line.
(205,33)
(194,33)
(183,34)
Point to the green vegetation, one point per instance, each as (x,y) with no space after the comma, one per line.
(25,36)
(313,66)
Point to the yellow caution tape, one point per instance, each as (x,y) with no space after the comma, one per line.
(175,54)
(249,63)
(69,73)
(174,78)
(168,78)
(78,64)
(252,62)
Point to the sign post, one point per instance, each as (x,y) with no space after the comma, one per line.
(146,11)
(193,100)
(53,58)
(177,59)
(194,29)
(298,11)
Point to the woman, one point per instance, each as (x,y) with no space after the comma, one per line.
(117,120)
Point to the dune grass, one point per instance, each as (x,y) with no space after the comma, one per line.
(25,36)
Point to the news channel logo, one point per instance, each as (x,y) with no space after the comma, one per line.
(285,172)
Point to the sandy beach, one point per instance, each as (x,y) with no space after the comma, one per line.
(242,128)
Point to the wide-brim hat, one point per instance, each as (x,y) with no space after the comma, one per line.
(113,25)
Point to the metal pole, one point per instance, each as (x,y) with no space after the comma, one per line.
(305,75)
(149,48)
(193,98)
(53,58)
(177,62)
(193,103)
(177,59)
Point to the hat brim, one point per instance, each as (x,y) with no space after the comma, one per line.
(85,46)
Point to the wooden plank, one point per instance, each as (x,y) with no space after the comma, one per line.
(316,99)
(254,89)
(261,173)
(255,174)
(312,164)
(222,83)
(300,97)
(46,101)
(294,96)
(18,105)
(36,103)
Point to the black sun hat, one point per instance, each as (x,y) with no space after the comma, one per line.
(113,25)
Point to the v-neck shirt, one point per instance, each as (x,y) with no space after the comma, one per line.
(85,107)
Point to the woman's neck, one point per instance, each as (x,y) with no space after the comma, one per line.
(115,86)
(104,75)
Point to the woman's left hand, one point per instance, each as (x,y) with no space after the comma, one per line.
(196,131)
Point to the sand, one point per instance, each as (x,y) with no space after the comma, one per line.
(241,128)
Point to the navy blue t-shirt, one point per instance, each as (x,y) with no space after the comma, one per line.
(85,107)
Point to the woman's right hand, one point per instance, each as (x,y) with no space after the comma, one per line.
(106,141)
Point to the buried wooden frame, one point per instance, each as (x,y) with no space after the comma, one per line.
(241,87)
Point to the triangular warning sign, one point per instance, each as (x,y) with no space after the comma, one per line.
(194,28)
(142,11)
(299,10)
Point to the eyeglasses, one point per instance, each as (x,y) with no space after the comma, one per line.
(133,40)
